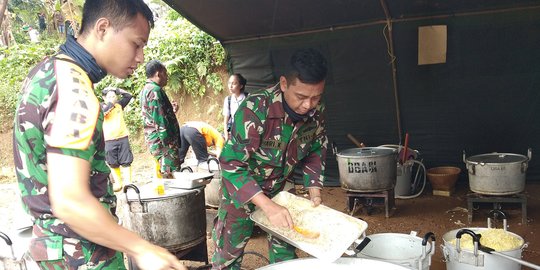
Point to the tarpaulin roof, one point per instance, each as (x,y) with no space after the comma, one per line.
(229,20)
(482,98)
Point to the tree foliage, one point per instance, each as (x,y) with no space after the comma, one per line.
(191,56)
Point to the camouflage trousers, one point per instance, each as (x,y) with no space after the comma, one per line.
(166,162)
(232,230)
(54,251)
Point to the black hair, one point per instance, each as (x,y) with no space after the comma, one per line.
(241,80)
(308,65)
(152,67)
(119,12)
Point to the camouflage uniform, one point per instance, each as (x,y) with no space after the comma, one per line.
(59,113)
(161,129)
(262,152)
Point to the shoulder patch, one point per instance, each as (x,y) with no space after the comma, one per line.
(77,110)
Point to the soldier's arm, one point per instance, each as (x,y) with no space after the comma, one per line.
(73,202)
(236,154)
(314,163)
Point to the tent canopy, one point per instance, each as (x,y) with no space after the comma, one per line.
(229,20)
(483,98)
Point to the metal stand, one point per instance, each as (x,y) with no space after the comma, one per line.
(497,201)
(370,199)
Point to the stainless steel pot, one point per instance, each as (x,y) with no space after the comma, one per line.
(212,195)
(402,249)
(175,221)
(458,259)
(341,264)
(368,169)
(497,173)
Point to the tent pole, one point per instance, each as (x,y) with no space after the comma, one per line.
(390,44)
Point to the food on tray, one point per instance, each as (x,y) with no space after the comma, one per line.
(318,225)
(497,239)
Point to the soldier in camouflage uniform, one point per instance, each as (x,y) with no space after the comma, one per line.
(59,148)
(161,129)
(274,130)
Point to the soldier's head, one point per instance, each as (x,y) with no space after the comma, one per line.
(303,85)
(157,72)
(115,33)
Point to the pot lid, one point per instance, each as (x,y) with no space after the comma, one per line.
(148,192)
(497,158)
(367,152)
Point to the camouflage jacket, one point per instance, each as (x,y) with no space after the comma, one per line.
(58,113)
(265,147)
(161,129)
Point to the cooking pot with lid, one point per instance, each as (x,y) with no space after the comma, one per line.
(367,169)
(497,173)
(175,220)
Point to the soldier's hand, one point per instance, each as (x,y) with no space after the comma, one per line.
(315,196)
(158,258)
(278,215)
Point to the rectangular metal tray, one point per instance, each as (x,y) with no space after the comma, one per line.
(189,180)
(338,231)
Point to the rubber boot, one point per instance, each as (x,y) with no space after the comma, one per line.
(126,174)
(117,177)
(158,169)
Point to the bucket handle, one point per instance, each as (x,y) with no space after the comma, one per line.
(497,214)
(475,237)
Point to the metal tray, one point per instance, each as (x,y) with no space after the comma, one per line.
(189,180)
(338,231)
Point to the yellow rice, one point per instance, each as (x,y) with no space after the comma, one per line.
(497,239)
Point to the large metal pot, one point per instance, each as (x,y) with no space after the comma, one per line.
(213,190)
(175,221)
(402,249)
(368,169)
(497,173)
(459,259)
(341,264)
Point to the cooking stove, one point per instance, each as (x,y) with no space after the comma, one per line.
(498,202)
(370,199)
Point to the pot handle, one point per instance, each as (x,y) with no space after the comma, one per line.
(9,243)
(497,214)
(424,244)
(186,168)
(134,187)
(475,237)
(212,159)
(529,153)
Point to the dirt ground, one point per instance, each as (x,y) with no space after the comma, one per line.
(427,213)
